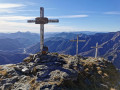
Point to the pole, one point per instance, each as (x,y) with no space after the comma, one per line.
(41,29)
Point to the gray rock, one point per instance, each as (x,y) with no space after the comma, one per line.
(72,62)
(56,75)
(35,56)
(64,74)
(41,67)
(25,70)
(42,74)
(0,88)
(21,86)
(31,64)
(27,58)
(10,80)
(9,69)
(104,86)
(47,86)
(7,86)
(14,79)
(37,60)
(17,68)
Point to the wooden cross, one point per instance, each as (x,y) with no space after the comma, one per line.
(42,20)
(77,44)
(97,47)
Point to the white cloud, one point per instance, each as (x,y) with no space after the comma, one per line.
(6,11)
(69,16)
(13,18)
(9,24)
(10,5)
(113,13)
(6,26)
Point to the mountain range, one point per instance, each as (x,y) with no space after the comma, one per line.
(61,43)
(24,43)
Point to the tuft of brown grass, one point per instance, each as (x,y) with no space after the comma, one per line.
(3,72)
(53,83)
(33,84)
(112,89)
(86,70)
(106,75)
(34,70)
(100,72)
(32,81)
(98,68)
(0,67)
(1,79)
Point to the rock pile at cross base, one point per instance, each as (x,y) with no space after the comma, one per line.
(59,72)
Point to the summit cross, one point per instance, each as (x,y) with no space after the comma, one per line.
(42,20)
(97,47)
(77,44)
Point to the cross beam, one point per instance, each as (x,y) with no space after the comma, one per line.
(42,20)
(77,44)
(97,47)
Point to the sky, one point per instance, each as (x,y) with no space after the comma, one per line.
(73,15)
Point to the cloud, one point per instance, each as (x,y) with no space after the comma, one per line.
(113,13)
(69,16)
(6,11)
(7,26)
(13,18)
(10,5)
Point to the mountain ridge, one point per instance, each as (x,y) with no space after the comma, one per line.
(109,42)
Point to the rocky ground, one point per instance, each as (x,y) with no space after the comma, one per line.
(59,72)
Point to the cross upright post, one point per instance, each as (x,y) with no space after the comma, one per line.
(42,20)
(97,47)
(41,29)
(77,44)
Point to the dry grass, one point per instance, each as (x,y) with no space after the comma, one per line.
(34,71)
(0,67)
(1,79)
(3,72)
(105,75)
(100,72)
(33,84)
(98,68)
(53,83)
(112,89)
(12,66)
(32,81)
(86,70)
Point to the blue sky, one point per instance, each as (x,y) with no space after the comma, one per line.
(74,15)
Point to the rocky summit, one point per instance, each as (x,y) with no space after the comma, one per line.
(59,72)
